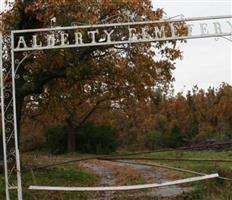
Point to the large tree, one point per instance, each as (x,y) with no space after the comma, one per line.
(91,76)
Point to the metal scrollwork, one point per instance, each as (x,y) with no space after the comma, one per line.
(17,76)
(19,62)
(120,18)
(8,122)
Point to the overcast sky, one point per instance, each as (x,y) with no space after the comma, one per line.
(206,62)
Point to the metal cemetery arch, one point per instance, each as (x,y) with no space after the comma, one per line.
(9,74)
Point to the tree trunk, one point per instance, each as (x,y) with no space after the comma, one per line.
(71,134)
(71,146)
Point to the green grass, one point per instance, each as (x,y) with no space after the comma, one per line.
(61,177)
(205,167)
(208,190)
(65,176)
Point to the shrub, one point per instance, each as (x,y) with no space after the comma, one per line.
(96,139)
(32,143)
(175,139)
(56,140)
(172,139)
(153,140)
(89,139)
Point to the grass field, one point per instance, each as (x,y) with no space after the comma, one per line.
(65,175)
(206,167)
(73,175)
(207,190)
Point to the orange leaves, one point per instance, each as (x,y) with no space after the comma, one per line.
(121,75)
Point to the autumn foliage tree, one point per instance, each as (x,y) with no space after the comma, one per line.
(69,85)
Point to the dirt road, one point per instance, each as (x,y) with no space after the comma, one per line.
(122,173)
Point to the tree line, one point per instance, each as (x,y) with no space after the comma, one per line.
(197,117)
(164,120)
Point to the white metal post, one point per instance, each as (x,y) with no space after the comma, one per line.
(18,168)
